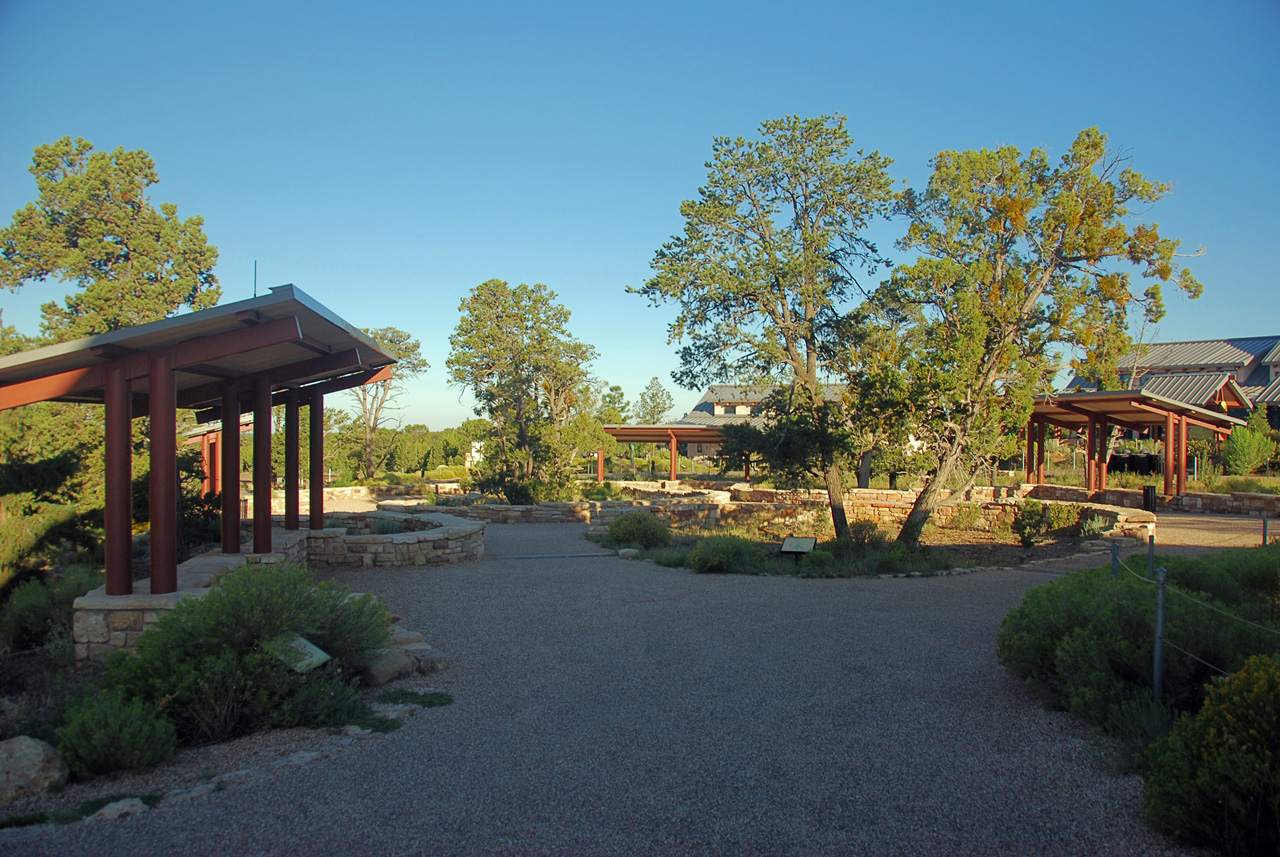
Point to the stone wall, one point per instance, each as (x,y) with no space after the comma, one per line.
(102,624)
(1255,505)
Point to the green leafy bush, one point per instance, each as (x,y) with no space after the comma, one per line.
(724,554)
(863,536)
(641,529)
(818,563)
(107,733)
(1215,780)
(1085,642)
(1093,526)
(964,516)
(600,491)
(205,659)
(41,608)
(1249,447)
(1030,522)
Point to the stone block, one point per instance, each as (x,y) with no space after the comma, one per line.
(124,620)
(395,664)
(89,627)
(117,640)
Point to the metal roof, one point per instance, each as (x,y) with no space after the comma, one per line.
(1272,356)
(1270,395)
(1196,389)
(1204,354)
(285,333)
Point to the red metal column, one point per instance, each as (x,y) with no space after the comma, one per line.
(1029,456)
(163,410)
(1168,453)
(118,466)
(206,462)
(315,461)
(599,464)
(1040,454)
(262,464)
(1182,454)
(1104,442)
(215,463)
(291,453)
(1090,446)
(230,469)
(674,458)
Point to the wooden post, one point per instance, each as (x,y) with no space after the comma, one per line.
(230,469)
(746,469)
(599,464)
(291,455)
(674,459)
(163,411)
(1168,453)
(118,476)
(315,461)
(262,464)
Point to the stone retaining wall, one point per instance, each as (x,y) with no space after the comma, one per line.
(1254,505)
(102,624)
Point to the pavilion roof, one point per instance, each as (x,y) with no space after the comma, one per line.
(285,333)
(1135,409)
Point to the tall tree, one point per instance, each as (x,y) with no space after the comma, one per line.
(94,225)
(770,253)
(654,404)
(1019,255)
(613,406)
(374,402)
(513,351)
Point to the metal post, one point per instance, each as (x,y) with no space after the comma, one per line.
(1157,673)
(1115,560)
(1264,531)
(1151,556)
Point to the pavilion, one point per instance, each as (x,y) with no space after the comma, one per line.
(1095,414)
(283,348)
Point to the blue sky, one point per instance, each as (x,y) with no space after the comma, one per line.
(388,158)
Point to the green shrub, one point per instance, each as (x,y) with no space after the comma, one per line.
(387,526)
(205,658)
(818,563)
(1085,642)
(1215,780)
(600,492)
(1092,526)
(106,733)
(1249,447)
(1030,522)
(39,609)
(641,529)
(669,557)
(724,554)
(864,536)
(964,516)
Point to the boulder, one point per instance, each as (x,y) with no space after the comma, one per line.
(28,765)
(391,666)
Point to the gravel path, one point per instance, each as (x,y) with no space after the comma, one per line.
(606,706)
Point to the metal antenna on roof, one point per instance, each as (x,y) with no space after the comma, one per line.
(255,278)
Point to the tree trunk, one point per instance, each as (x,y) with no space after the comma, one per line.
(835,495)
(864,469)
(928,499)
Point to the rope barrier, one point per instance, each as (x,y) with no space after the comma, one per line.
(1195,600)
(1165,640)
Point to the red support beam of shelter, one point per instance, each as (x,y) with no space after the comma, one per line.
(222,359)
